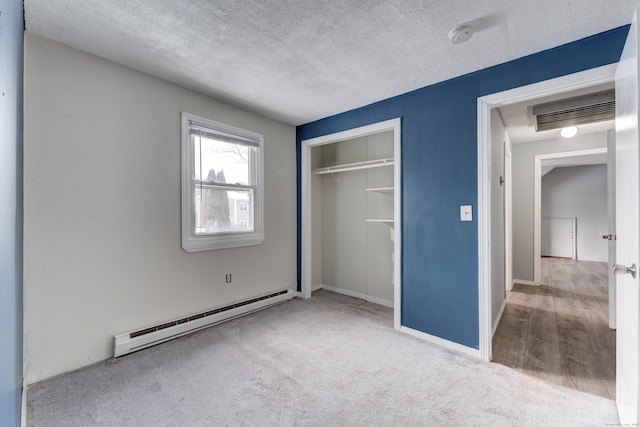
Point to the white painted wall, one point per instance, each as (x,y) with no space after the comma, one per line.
(102,208)
(356,256)
(523,163)
(580,192)
(499,138)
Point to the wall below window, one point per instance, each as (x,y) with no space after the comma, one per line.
(580,192)
(103,249)
(11,362)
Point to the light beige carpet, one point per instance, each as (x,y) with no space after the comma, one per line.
(328,361)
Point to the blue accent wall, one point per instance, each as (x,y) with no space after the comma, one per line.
(439,173)
(11,45)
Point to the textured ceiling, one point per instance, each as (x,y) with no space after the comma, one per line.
(298,61)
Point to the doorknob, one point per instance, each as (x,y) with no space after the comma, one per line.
(607,236)
(623,269)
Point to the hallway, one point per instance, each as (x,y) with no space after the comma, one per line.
(559,331)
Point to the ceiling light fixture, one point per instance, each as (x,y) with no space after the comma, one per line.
(461,33)
(569,132)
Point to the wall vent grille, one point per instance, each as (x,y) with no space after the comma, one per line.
(580,110)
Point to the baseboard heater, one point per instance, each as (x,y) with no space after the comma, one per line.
(137,340)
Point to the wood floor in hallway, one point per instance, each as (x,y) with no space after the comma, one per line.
(559,331)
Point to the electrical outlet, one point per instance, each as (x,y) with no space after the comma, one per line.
(228,278)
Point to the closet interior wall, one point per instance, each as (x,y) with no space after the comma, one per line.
(352,219)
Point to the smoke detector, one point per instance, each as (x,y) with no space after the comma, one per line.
(461,33)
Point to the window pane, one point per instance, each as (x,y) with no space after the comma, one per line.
(222,162)
(220,210)
(222,188)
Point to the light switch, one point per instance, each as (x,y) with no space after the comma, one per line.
(466,213)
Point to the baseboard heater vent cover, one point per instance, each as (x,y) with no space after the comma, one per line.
(147,337)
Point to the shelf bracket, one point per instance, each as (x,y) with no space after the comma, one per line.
(339,181)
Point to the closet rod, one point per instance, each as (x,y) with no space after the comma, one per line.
(367,164)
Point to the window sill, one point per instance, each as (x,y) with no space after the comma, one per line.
(207,243)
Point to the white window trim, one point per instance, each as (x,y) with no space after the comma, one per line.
(195,243)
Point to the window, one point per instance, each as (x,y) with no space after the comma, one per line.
(222,191)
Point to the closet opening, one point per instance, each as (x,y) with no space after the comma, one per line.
(351,214)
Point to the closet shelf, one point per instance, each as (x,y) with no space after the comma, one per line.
(381,189)
(367,164)
(386,221)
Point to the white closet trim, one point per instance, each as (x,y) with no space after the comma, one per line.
(306,175)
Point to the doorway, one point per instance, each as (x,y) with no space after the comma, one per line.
(538,337)
(585,79)
(556,160)
(557,330)
(309,171)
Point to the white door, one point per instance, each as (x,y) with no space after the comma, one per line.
(508,227)
(557,237)
(627,224)
(611,219)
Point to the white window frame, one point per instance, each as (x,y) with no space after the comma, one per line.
(192,242)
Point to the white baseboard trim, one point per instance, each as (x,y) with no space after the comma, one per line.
(441,342)
(497,322)
(355,294)
(23,409)
(316,287)
(525,282)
